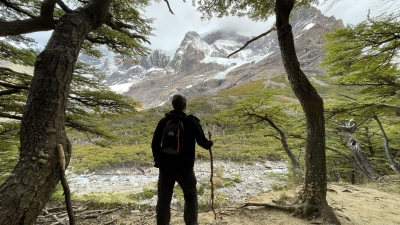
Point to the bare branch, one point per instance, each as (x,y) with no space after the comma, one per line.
(119,26)
(9,116)
(169,7)
(13,86)
(64,6)
(9,92)
(272,206)
(342,154)
(252,40)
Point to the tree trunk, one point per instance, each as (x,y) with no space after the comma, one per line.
(34,179)
(315,179)
(363,163)
(393,164)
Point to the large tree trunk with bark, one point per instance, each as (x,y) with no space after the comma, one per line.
(34,179)
(315,187)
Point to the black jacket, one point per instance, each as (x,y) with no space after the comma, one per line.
(192,133)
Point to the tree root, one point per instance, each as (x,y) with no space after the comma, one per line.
(304,210)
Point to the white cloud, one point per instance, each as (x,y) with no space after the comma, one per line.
(170,29)
(353,12)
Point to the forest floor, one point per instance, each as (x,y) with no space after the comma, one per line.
(353,204)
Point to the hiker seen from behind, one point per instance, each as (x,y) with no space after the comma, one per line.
(173,147)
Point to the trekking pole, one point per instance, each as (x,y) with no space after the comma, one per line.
(211,179)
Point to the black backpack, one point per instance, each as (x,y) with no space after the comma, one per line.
(172,140)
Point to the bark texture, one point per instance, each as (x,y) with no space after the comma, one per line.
(33,180)
(315,175)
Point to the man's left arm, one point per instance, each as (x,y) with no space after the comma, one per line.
(199,134)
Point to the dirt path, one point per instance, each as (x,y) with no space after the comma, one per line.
(354,205)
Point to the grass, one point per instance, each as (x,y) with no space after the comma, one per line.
(93,157)
(389,187)
(109,198)
(8,158)
(147,193)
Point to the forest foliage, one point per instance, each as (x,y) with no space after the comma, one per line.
(236,137)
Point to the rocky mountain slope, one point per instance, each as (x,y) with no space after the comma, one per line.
(200,65)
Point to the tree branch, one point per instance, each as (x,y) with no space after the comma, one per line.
(25,26)
(252,40)
(44,22)
(169,7)
(17,9)
(64,6)
(119,26)
(9,92)
(13,86)
(342,154)
(15,117)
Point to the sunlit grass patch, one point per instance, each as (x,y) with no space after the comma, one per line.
(116,197)
(8,159)
(146,193)
(94,157)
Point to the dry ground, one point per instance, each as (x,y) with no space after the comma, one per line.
(354,205)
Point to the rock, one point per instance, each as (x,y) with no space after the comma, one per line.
(176,204)
(135,211)
(253,181)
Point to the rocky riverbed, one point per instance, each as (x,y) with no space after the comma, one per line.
(247,179)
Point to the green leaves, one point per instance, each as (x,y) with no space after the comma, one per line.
(365,53)
(364,56)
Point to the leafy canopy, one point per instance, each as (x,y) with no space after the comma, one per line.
(366,56)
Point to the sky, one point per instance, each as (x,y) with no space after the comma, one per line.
(170,29)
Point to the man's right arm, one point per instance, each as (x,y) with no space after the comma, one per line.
(157,139)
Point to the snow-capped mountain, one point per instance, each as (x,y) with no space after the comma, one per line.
(200,65)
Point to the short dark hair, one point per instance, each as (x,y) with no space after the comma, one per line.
(178,102)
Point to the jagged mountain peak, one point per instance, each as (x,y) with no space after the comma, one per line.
(200,65)
(306,17)
(157,59)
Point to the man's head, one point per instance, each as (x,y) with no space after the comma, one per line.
(179,102)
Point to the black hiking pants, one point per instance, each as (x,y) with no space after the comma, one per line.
(166,181)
